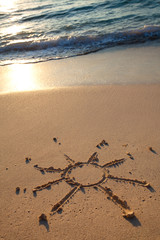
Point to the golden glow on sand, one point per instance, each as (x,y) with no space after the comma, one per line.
(22,77)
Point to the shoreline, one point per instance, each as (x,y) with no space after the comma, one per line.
(124,66)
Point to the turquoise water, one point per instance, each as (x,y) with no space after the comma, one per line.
(35,31)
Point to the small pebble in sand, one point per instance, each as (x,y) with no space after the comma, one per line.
(42,217)
(6,168)
(28,160)
(17,190)
(24,190)
(55,139)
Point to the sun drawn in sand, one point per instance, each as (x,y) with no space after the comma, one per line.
(69,173)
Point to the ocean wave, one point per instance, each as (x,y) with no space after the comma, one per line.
(46,15)
(89,42)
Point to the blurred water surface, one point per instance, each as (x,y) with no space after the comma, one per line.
(41,30)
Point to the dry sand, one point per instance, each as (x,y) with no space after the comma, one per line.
(126,117)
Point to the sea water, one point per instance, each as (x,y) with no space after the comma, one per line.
(41,30)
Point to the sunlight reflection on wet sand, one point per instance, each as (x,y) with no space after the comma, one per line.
(135,65)
(21,77)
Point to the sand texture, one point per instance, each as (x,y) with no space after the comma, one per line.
(81,163)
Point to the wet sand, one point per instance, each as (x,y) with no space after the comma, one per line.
(135,64)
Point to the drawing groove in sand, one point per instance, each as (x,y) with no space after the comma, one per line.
(67,175)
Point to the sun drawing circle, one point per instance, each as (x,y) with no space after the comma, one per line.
(89,174)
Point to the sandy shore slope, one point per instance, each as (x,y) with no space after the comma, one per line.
(136,64)
(126,117)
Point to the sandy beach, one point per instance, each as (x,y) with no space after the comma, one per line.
(61,127)
(79,120)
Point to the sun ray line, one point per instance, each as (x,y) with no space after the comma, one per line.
(133,181)
(126,211)
(59,204)
(93,157)
(69,159)
(114,162)
(50,169)
(47,185)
